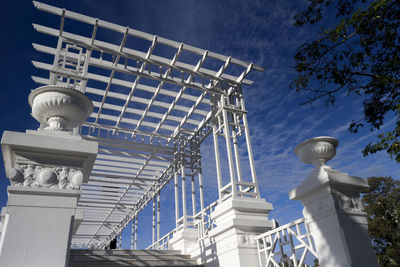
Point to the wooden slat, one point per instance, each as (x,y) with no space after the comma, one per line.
(149,37)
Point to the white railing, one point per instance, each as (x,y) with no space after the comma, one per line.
(288,245)
(202,221)
(163,243)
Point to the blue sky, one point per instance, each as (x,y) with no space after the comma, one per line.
(258,31)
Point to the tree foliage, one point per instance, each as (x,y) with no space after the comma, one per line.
(359,55)
(382,201)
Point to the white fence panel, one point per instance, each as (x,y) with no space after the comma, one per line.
(288,245)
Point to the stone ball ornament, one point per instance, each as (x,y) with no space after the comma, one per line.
(47,177)
(76,179)
(59,108)
(317,150)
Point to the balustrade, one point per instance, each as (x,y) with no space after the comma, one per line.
(287,245)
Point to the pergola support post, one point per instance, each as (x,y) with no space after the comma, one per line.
(201,189)
(136,231)
(249,147)
(189,164)
(176,185)
(158,215)
(228,147)
(133,233)
(230,121)
(184,210)
(153,238)
(217,160)
(193,193)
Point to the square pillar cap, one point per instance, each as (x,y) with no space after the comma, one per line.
(327,176)
(48,148)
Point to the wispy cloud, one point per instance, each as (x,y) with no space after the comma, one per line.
(261,32)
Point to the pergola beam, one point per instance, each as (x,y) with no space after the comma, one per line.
(48,67)
(129,53)
(136,33)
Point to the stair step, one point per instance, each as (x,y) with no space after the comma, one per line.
(124,252)
(106,263)
(115,258)
(119,257)
(128,257)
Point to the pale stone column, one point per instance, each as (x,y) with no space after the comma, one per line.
(333,208)
(38,226)
(46,169)
(238,221)
(184,239)
(231,242)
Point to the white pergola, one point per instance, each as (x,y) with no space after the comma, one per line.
(155,100)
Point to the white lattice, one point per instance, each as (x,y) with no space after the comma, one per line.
(287,245)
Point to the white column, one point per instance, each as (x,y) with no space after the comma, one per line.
(249,148)
(201,190)
(217,160)
(158,216)
(236,148)
(193,193)
(136,231)
(133,234)
(333,208)
(184,211)
(176,198)
(185,237)
(228,147)
(237,159)
(153,237)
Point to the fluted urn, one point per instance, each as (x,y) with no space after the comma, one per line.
(59,108)
(317,150)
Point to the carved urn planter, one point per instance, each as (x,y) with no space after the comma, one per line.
(59,108)
(317,150)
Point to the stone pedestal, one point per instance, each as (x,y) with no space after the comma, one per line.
(38,226)
(238,221)
(333,208)
(184,239)
(46,169)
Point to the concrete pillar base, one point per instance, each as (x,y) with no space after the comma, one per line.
(238,221)
(38,226)
(184,239)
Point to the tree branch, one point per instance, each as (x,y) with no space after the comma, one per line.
(323,94)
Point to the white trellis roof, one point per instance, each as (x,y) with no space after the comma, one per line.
(146,90)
